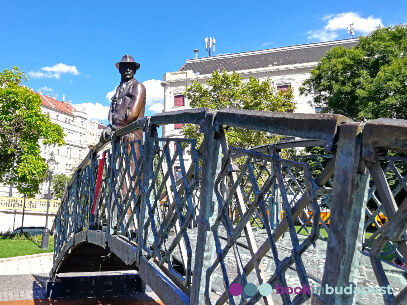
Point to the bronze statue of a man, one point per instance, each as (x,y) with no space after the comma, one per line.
(128,102)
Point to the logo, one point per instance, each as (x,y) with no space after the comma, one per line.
(265,289)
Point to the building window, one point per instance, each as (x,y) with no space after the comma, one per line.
(178,100)
(318,109)
(283,88)
(177,172)
(178,126)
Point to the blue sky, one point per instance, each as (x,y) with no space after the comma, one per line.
(70,47)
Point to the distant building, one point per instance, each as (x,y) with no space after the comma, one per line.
(288,67)
(80,134)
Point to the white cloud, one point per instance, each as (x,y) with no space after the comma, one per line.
(154,91)
(154,98)
(94,111)
(322,35)
(46,89)
(156,108)
(40,74)
(61,69)
(55,71)
(340,22)
(109,95)
(267,44)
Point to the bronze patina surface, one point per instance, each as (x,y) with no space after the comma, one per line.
(128,102)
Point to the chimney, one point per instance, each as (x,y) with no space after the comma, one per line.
(63,97)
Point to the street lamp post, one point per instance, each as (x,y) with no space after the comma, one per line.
(45,232)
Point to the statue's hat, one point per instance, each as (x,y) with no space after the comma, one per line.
(128,59)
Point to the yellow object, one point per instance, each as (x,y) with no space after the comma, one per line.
(380,218)
(36,205)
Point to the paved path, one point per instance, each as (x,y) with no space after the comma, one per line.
(30,264)
(19,287)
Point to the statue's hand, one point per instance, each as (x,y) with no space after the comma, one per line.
(106,133)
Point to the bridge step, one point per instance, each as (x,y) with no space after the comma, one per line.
(112,284)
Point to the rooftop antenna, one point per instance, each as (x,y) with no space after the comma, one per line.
(351,30)
(196,53)
(209,42)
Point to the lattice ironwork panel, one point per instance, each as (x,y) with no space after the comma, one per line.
(83,193)
(126,187)
(317,164)
(246,250)
(394,170)
(100,197)
(63,224)
(171,208)
(76,209)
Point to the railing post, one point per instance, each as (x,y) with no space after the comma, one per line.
(75,203)
(91,182)
(148,153)
(109,203)
(205,248)
(349,197)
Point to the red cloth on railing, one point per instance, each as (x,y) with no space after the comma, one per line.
(99,181)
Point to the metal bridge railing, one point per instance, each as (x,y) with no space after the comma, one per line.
(224,219)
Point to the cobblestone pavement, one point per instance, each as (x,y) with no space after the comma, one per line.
(313,260)
(20,287)
(16,281)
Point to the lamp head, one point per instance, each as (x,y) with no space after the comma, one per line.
(51,162)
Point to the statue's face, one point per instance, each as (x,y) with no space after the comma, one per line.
(127,71)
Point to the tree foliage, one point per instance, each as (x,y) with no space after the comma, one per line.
(230,91)
(22,126)
(59,182)
(367,81)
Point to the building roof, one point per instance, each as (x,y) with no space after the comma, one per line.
(51,102)
(299,54)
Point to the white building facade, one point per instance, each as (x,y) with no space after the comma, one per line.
(287,67)
(80,134)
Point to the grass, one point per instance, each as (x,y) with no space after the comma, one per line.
(12,245)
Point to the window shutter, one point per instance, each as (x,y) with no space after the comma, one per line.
(178,100)
(283,88)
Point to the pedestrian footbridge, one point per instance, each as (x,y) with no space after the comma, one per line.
(194,218)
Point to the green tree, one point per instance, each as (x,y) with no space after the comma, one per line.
(367,81)
(230,91)
(59,182)
(22,126)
